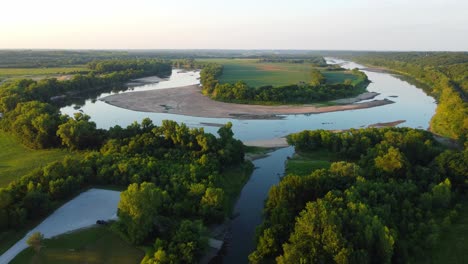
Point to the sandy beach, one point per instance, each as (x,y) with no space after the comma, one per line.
(189,101)
(387,124)
(268,143)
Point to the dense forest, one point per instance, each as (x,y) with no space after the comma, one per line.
(176,177)
(446,77)
(64,58)
(387,199)
(316,91)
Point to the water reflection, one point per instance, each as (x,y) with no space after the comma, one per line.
(412,105)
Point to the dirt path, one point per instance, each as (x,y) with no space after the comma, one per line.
(189,101)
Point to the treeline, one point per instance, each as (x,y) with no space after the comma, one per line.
(315,60)
(240,92)
(444,73)
(68,58)
(388,201)
(53,58)
(174,176)
(144,66)
(31,112)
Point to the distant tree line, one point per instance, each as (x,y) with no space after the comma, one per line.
(54,58)
(316,91)
(143,66)
(388,201)
(314,60)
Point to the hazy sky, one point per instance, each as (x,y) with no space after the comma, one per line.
(235,24)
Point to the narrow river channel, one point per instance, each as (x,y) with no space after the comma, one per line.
(249,207)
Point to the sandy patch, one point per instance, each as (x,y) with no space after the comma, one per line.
(189,101)
(81,212)
(211,124)
(361,97)
(145,80)
(268,143)
(387,124)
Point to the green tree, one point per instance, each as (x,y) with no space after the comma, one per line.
(138,210)
(189,241)
(441,194)
(79,132)
(37,203)
(35,241)
(391,161)
(212,203)
(316,78)
(34,123)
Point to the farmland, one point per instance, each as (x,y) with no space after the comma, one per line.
(258,74)
(39,73)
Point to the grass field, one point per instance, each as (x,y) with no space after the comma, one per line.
(93,245)
(304,163)
(16,73)
(17,160)
(277,74)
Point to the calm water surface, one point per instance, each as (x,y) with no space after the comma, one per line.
(411,104)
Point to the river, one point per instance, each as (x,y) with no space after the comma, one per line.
(411,104)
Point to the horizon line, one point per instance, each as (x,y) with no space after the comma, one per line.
(219,49)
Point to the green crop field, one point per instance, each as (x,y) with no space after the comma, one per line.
(334,77)
(7,73)
(93,245)
(17,160)
(277,74)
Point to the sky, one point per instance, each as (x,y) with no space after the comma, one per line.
(235,24)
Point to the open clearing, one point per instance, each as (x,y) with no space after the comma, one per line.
(277,74)
(39,73)
(17,160)
(91,245)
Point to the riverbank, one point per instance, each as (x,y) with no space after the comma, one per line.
(189,101)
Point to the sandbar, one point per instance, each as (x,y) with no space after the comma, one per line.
(189,101)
